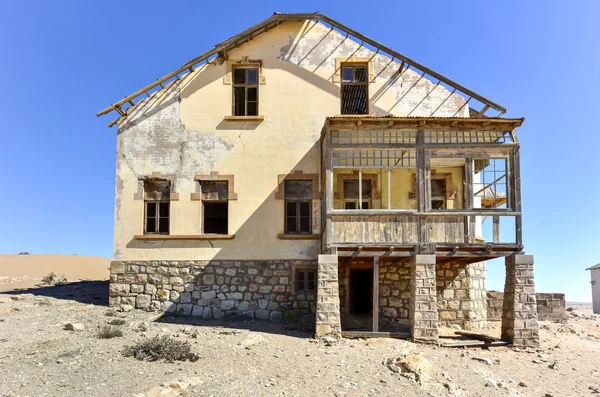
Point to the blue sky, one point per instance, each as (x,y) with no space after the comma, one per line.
(63,61)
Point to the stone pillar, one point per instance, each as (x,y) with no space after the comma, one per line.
(423,312)
(328,297)
(519,310)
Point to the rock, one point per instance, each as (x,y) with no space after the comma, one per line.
(74,327)
(126,308)
(560,346)
(487,361)
(118,321)
(411,363)
(522,384)
(110,313)
(554,366)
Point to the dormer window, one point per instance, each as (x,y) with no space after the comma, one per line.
(245,91)
(355,89)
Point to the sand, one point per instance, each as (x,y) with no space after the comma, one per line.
(26,271)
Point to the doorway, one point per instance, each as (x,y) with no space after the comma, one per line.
(361,291)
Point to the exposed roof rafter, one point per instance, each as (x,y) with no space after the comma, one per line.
(221,49)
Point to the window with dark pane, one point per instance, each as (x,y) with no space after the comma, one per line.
(355,89)
(438,194)
(306,281)
(298,207)
(352,194)
(245,91)
(156,206)
(215,207)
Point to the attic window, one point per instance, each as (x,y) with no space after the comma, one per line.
(245,91)
(355,89)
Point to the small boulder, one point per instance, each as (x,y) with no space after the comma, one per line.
(126,308)
(74,327)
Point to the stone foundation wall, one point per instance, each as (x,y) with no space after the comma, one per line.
(461,295)
(394,289)
(550,307)
(215,289)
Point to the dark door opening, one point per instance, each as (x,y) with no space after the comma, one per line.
(361,291)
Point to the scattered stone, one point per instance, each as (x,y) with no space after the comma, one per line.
(487,361)
(560,346)
(74,327)
(126,308)
(554,366)
(118,321)
(411,365)
(522,384)
(110,313)
(594,389)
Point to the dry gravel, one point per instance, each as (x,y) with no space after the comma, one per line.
(38,357)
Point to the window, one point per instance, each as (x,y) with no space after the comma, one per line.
(306,281)
(355,92)
(156,206)
(438,194)
(298,207)
(352,194)
(215,214)
(245,91)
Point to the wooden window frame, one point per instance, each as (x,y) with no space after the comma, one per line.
(298,215)
(157,218)
(215,201)
(246,85)
(361,199)
(302,275)
(353,66)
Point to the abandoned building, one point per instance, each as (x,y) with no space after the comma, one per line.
(301,171)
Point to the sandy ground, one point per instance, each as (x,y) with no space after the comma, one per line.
(25,271)
(38,357)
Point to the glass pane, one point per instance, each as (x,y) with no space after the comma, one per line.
(305,224)
(239,76)
(156,189)
(360,75)
(365,205)
(351,189)
(164,210)
(252,94)
(291,225)
(239,101)
(163,225)
(301,284)
(305,208)
(214,190)
(311,281)
(150,210)
(351,205)
(150,225)
(290,208)
(298,190)
(347,74)
(252,109)
(251,76)
(438,188)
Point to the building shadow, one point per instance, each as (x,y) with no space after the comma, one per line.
(88,292)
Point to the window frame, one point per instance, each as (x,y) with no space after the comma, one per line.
(245,85)
(442,197)
(359,201)
(214,201)
(157,217)
(302,275)
(354,66)
(298,215)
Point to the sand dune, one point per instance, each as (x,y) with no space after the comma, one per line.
(25,271)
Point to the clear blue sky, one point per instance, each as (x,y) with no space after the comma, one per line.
(63,61)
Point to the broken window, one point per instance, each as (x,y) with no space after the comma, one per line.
(156,206)
(298,207)
(438,194)
(215,204)
(245,91)
(306,281)
(490,183)
(355,91)
(355,197)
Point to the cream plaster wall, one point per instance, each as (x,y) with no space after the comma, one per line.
(181,132)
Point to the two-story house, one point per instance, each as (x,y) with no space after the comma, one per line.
(301,171)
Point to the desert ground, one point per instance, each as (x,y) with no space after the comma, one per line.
(40,356)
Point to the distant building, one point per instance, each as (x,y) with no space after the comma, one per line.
(595,273)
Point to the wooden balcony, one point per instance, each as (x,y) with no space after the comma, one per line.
(387,156)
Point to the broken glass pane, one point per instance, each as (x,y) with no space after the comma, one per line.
(214,190)
(251,76)
(298,190)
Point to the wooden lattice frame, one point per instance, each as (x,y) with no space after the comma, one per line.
(375,188)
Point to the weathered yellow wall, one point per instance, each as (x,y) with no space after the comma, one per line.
(181,132)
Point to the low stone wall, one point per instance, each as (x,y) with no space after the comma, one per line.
(394,289)
(461,295)
(550,307)
(215,289)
